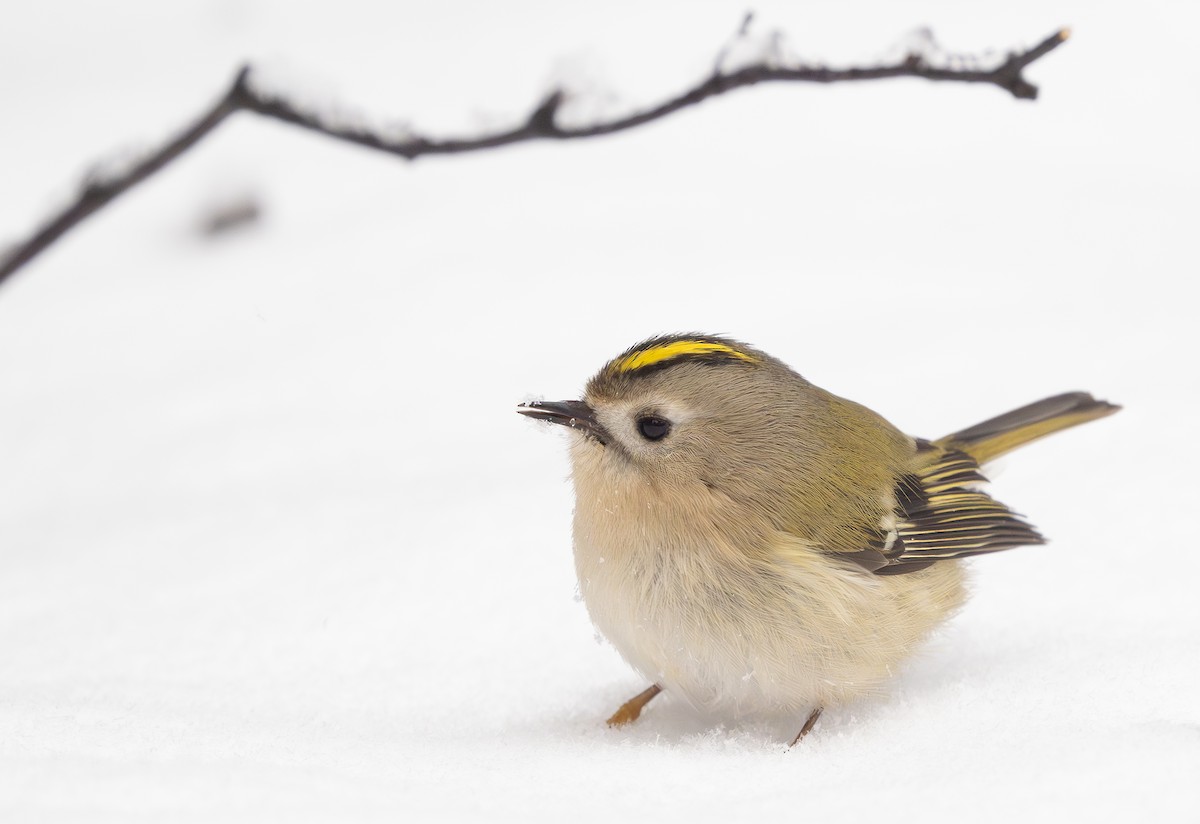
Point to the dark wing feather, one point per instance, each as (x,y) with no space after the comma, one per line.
(939,511)
(940,515)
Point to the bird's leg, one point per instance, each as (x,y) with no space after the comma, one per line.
(632,708)
(808,725)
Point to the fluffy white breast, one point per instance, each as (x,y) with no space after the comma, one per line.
(730,614)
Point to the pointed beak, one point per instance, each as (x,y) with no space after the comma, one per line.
(575,414)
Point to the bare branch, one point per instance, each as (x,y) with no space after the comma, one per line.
(540,124)
(96,193)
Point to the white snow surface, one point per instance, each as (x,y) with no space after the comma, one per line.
(274,546)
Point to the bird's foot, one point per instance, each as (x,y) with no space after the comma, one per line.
(808,725)
(631,709)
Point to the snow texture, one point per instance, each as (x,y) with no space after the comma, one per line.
(274,546)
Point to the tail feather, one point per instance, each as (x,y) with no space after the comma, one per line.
(1004,433)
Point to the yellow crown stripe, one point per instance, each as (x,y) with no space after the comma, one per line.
(676,349)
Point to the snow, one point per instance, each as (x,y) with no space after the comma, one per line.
(273,543)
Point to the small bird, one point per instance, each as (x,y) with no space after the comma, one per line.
(754,544)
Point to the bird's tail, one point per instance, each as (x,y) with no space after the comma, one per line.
(1004,433)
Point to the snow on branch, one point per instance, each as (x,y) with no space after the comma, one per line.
(764,65)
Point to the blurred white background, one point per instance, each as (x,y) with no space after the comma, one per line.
(273,543)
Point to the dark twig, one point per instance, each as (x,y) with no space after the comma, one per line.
(542,123)
(97,193)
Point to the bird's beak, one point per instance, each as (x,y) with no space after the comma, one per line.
(575,414)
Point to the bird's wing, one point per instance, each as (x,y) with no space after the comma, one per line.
(940,513)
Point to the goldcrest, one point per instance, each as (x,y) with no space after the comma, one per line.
(754,544)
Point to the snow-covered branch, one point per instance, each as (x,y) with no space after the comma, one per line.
(542,123)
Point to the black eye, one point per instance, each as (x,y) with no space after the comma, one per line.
(652,428)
